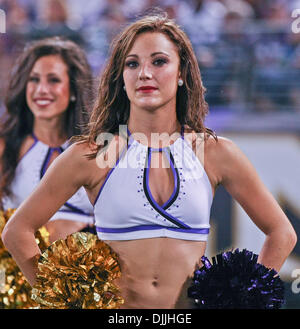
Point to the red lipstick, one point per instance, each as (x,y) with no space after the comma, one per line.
(147,89)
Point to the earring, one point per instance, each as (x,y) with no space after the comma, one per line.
(72,98)
(124,88)
(180,82)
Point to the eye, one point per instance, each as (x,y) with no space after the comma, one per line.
(33,79)
(54,80)
(131,64)
(160,61)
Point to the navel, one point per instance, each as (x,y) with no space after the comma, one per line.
(155,282)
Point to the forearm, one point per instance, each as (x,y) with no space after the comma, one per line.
(276,249)
(24,250)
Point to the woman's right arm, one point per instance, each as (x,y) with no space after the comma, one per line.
(65,176)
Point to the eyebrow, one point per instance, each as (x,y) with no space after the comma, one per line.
(152,55)
(48,74)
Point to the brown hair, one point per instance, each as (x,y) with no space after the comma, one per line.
(112,105)
(17,121)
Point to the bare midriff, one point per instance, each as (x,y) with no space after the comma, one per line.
(156,272)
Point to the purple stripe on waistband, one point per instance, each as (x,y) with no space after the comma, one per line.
(149,228)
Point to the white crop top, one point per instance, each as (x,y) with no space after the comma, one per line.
(28,174)
(125,208)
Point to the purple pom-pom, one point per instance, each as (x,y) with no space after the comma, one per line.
(234,280)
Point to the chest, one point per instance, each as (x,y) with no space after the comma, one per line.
(151,183)
(161,177)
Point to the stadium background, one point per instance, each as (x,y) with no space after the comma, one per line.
(249,56)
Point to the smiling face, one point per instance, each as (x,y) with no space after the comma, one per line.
(151,72)
(48,87)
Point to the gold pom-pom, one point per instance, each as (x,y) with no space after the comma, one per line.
(15,291)
(78,273)
(42,238)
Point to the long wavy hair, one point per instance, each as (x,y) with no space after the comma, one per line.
(112,106)
(17,121)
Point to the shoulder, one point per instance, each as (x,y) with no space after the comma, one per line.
(113,141)
(74,166)
(221,149)
(109,149)
(223,159)
(89,162)
(26,143)
(79,153)
(226,159)
(84,151)
(220,146)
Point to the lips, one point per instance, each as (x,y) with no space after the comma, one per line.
(147,88)
(43,101)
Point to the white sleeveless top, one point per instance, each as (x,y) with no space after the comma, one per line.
(30,170)
(126,210)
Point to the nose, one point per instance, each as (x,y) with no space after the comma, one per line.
(42,88)
(145,72)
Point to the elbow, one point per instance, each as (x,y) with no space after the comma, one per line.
(293,239)
(7,236)
(290,239)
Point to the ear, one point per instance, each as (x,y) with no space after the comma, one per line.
(179,79)
(179,74)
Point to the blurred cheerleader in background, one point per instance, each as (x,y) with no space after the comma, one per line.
(47,102)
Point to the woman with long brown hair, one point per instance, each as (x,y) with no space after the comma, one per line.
(152,183)
(47,102)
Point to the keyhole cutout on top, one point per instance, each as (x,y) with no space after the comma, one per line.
(161,180)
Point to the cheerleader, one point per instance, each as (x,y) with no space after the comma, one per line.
(47,102)
(150,185)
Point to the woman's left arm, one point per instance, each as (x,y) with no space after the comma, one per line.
(240,179)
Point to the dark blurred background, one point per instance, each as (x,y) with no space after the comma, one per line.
(249,56)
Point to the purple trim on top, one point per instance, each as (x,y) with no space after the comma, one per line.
(76,209)
(182,132)
(149,228)
(80,212)
(175,179)
(48,156)
(109,173)
(155,204)
(44,168)
(45,164)
(30,148)
(34,137)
